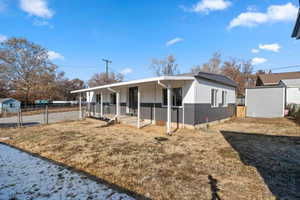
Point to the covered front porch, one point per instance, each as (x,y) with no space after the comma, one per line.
(149,101)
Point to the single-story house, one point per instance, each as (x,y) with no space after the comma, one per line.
(272,95)
(9,105)
(296,31)
(181,100)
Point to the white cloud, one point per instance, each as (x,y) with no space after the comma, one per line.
(205,6)
(37,22)
(174,41)
(126,71)
(257,61)
(52,55)
(38,8)
(275,13)
(270,47)
(255,50)
(2,38)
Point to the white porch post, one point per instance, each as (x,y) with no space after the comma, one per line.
(169,91)
(139,109)
(88,96)
(118,104)
(80,107)
(101,104)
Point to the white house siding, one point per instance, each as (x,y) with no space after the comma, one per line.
(203,92)
(196,102)
(151,102)
(265,102)
(293,95)
(200,109)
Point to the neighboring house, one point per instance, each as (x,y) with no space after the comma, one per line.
(9,105)
(274,92)
(296,31)
(292,90)
(185,100)
(274,79)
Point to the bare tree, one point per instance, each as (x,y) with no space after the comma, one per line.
(65,86)
(247,70)
(165,66)
(213,65)
(25,65)
(100,79)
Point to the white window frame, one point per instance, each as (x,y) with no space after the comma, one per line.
(224,98)
(165,105)
(214,98)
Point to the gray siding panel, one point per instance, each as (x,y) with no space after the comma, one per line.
(204,113)
(147,112)
(194,113)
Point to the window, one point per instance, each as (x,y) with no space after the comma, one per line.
(214,97)
(98,98)
(113,98)
(11,105)
(224,98)
(176,97)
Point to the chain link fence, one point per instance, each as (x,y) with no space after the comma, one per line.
(41,114)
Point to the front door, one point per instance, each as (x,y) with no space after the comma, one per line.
(133,100)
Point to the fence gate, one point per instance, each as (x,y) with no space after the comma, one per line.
(266,102)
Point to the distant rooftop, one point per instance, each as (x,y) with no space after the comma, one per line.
(275,78)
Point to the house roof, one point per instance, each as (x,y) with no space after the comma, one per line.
(219,78)
(188,76)
(296,31)
(292,83)
(274,79)
(5,99)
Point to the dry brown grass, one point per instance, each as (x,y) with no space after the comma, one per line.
(174,169)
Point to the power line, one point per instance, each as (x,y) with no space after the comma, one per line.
(286,67)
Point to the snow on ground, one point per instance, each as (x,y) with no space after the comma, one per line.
(23,176)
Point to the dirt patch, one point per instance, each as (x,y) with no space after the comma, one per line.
(188,165)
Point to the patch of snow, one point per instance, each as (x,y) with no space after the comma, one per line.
(24,176)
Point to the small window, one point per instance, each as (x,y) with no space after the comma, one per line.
(176,97)
(214,97)
(11,105)
(98,98)
(224,98)
(113,98)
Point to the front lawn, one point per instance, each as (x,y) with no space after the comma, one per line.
(229,160)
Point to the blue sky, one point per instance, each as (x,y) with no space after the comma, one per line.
(130,33)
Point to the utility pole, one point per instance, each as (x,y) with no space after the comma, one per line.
(106,67)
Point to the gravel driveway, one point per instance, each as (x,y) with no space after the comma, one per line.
(24,176)
(39,119)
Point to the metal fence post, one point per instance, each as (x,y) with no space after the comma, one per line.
(21,117)
(47,115)
(18,120)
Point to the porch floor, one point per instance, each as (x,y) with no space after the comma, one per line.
(124,119)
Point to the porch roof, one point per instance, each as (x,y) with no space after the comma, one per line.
(146,80)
